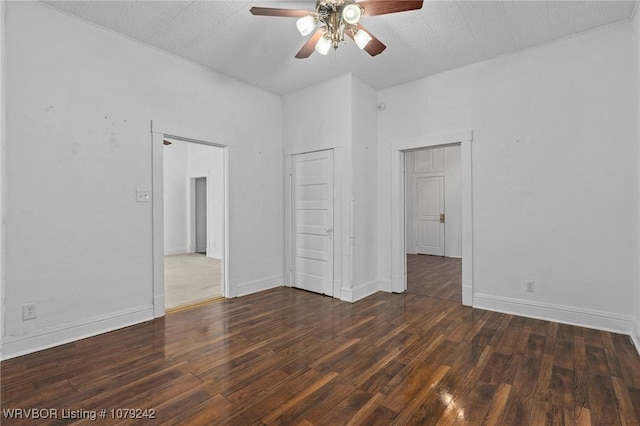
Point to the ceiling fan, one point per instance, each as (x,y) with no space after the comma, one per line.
(335,18)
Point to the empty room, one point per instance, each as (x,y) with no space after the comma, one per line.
(320,212)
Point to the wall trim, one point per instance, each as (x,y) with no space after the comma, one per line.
(195,135)
(590,318)
(3,178)
(177,250)
(250,287)
(398,231)
(360,291)
(22,345)
(432,140)
(384,285)
(467,293)
(340,239)
(322,146)
(635,335)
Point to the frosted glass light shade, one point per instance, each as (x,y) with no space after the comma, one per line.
(351,14)
(362,38)
(323,45)
(306,25)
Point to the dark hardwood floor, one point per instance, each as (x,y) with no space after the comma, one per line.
(285,356)
(435,276)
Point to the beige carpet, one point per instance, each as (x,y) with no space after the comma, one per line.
(190,278)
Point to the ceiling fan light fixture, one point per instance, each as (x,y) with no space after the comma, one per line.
(362,38)
(306,25)
(323,45)
(352,13)
(332,19)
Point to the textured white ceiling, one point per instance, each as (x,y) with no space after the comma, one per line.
(443,35)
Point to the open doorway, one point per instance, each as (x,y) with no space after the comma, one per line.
(193,194)
(398,229)
(433,222)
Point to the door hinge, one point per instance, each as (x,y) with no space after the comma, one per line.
(442,218)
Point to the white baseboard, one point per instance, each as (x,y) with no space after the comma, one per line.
(177,250)
(158,305)
(589,318)
(384,286)
(250,287)
(22,345)
(635,335)
(467,295)
(397,283)
(360,291)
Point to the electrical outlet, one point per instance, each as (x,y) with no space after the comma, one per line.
(143,195)
(29,311)
(530,286)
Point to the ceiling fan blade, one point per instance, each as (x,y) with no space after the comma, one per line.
(310,45)
(374,47)
(270,11)
(381,7)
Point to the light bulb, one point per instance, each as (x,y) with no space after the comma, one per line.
(323,45)
(362,38)
(351,14)
(306,25)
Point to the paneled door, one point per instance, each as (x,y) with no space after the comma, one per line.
(312,221)
(430,215)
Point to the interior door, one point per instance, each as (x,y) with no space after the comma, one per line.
(312,202)
(430,215)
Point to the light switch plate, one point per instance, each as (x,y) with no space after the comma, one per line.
(143,195)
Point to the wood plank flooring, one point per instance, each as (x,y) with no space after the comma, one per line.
(285,356)
(435,276)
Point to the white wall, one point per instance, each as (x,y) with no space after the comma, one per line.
(365,187)
(183,162)
(552,155)
(207,161)
(79,104)
(2,172)
(176,190)
(452,200)
(342,114)
(635,67)
(313,121)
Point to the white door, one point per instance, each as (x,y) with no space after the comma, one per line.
(312,201)
(430,215)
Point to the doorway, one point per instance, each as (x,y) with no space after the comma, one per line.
(398,207)
(312,221)
(193,212)
(433,222)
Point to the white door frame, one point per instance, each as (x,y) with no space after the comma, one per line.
(398,232)
(328,286)
(158,134)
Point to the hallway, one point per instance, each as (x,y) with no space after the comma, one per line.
(435,276)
